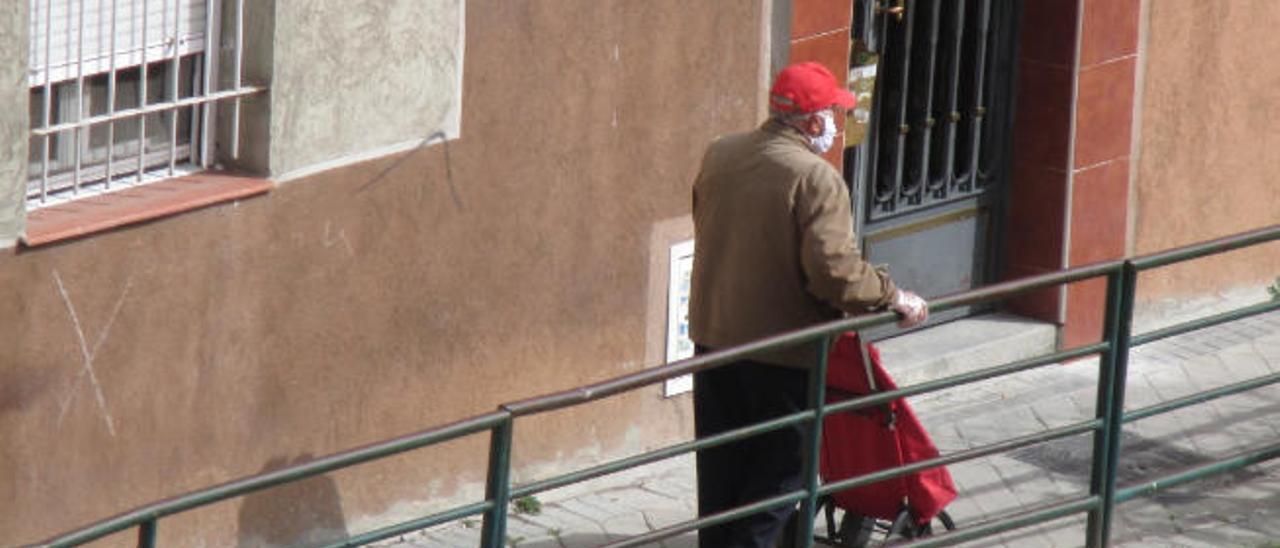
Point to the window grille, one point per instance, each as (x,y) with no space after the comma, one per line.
(124,92)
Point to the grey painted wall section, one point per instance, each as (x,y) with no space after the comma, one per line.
(351,78)
(258,64)
(13,120)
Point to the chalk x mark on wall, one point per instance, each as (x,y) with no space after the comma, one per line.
(87,354)
(332,237)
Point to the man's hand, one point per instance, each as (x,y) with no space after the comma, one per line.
(913,309)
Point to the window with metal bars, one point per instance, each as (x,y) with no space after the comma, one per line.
(124,92)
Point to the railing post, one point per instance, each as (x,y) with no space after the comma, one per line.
(1112,376)
(813,447)
(497,490)
(147,534)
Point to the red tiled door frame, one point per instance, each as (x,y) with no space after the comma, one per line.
(1070,190)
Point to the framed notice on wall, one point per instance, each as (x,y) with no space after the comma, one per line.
(679,346)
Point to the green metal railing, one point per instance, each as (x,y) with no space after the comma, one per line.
(1109,416)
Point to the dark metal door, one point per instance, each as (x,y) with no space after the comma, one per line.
(929,177)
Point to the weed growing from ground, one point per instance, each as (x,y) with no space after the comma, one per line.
(527,505)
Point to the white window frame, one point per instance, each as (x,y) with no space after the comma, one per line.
(74,41)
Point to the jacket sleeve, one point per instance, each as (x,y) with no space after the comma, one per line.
(833,267)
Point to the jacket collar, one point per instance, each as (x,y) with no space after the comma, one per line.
(774,127)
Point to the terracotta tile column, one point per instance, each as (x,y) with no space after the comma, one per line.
(820,32)
(1036,226)
(1100,166)
(1069,190)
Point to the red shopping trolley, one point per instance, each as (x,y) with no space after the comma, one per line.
(875,438)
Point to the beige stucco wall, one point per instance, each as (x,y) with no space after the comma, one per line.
(380,298)
(14,38)
(1206,152)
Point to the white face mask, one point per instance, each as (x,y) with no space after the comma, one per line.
(822,143)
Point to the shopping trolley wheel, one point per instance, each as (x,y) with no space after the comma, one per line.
(947,522)
(855,530)
(905,525)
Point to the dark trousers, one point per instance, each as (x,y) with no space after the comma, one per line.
(759,467)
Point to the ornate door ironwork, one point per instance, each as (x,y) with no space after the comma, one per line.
(928,179)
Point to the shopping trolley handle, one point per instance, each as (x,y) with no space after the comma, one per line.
(835,395)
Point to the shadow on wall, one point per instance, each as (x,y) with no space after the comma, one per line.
(305,512)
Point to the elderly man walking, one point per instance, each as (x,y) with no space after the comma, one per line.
(775,252)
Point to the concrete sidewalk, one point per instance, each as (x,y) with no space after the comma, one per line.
(1236,509)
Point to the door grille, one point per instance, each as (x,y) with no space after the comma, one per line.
(933,141)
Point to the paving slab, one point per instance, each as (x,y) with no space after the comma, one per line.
(965,345)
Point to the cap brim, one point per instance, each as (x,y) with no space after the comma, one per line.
(843,98)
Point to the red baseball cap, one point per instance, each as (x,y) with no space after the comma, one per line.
(808,87)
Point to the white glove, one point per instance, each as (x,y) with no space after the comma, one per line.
(913,309)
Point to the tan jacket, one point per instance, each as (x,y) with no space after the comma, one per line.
(775,249)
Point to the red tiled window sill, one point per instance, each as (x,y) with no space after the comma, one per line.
(135,205)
